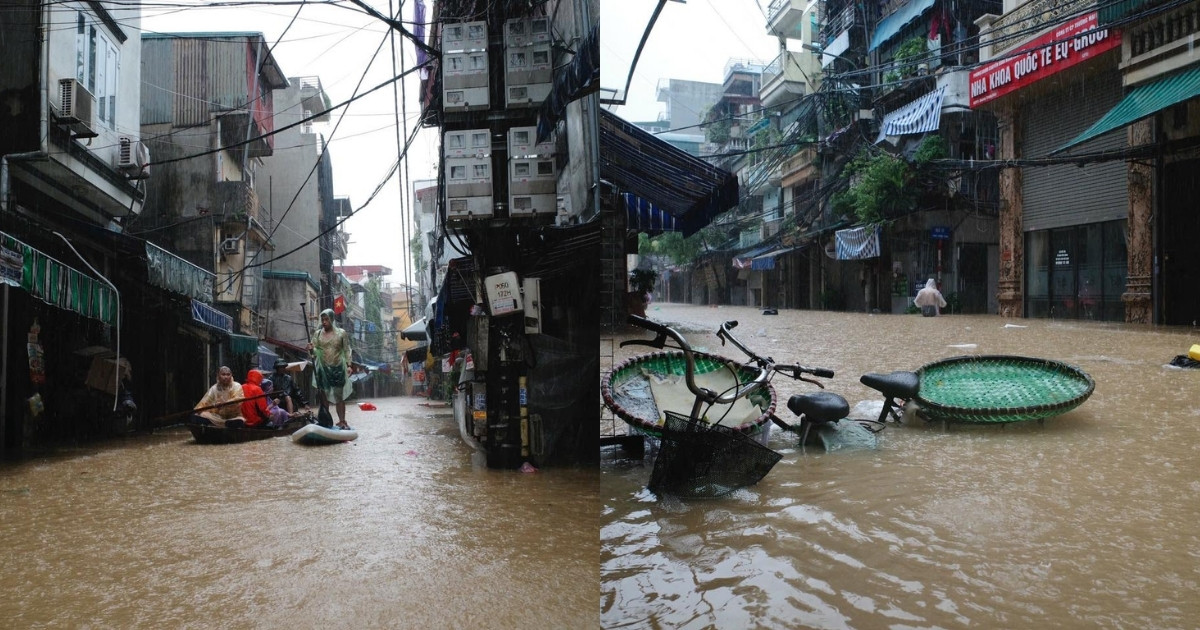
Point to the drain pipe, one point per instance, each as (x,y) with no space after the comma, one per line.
(117,367)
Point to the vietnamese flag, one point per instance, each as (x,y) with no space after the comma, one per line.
(339,305)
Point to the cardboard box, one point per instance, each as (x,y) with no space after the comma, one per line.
(100,376)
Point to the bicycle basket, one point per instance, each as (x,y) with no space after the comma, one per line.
(697,460)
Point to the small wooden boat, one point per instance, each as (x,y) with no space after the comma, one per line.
(315,435)
(212,434)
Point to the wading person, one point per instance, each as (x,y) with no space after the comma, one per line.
(930,300)
(225,390)
(331,346)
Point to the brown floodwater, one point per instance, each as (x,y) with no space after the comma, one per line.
(1091,519)
(398,529)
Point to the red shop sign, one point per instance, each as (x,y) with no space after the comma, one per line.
(1055,50)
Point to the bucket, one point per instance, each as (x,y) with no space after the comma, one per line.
(1194,353)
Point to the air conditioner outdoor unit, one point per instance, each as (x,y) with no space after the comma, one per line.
(76,107)
(132,156)
(231,246)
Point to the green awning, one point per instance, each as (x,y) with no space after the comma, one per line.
(243,344)
(1143,101)
(55,283)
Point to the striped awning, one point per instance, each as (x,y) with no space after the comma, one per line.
(55,283)
(923,115)
(644,216)
(857,243)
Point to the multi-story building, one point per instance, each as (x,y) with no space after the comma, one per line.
(74,171)
(209,122)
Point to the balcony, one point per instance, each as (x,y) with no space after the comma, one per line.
(785,18)
(800,169)
(784,78)
(999,34)
(838,23)
(238,201)
(1161,45)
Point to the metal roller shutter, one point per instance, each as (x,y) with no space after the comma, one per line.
(1065,195)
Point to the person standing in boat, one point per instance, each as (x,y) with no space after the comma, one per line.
(930,300)
(225,390)
(331,346)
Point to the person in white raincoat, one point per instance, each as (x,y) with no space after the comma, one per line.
(930,300)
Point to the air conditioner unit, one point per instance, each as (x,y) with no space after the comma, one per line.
(76,108)
(231,246)
(132,156)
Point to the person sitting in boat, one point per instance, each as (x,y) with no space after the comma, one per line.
(211,409)
(279,415)
(287,394)
(930,300)
(254,408)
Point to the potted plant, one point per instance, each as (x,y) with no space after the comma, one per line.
(641,285)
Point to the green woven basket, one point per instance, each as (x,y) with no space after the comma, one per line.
(1000,389)
(627,389)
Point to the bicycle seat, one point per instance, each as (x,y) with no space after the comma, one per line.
(895,385)
(819,407)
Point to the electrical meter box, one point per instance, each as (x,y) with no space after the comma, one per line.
(522,142)
(465,81)
(532,290)
(527,75)
(526,31)
(532,186)
(468,187)
(503,293)
(461,36)
(467,143)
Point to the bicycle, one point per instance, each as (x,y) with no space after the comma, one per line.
(700,456)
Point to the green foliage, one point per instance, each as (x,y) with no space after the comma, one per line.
(418,255)
(674,247)
(933,147)
(642,280)
(717,132)
(908,54)
(879,188)
(372,305)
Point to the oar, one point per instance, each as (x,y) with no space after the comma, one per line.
(236,401)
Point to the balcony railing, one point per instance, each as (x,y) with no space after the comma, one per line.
(837,24)
(1164,30)
(1019,25)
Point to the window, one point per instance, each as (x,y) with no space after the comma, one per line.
(521,137)
(458,172)
(455,140)
(1077,272)
(541,57)
(545,167)
(478,62)
(479,140)
(521,169)
(96,65)
(516,60)
(481,171)
(477,31)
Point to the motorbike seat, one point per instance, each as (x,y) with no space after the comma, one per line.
(819,407)
(895,385)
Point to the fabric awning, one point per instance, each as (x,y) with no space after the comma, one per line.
(243,344)
(686,187)
(857,243)
(1142,101)
(767,261)
(643,216)
(168,271)
(415,331)
(923,115)
(891,25)
(54,283)
(211,317)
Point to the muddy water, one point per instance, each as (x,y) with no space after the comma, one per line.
(395,530)
(1092,520)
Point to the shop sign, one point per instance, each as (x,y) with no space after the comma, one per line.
(940,232)
(1063,47)
(11,266)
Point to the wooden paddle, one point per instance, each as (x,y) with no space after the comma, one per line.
(236,401)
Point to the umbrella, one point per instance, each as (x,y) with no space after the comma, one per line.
(415,332)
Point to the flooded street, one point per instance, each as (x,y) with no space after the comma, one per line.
(396,529)
(1092,520)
